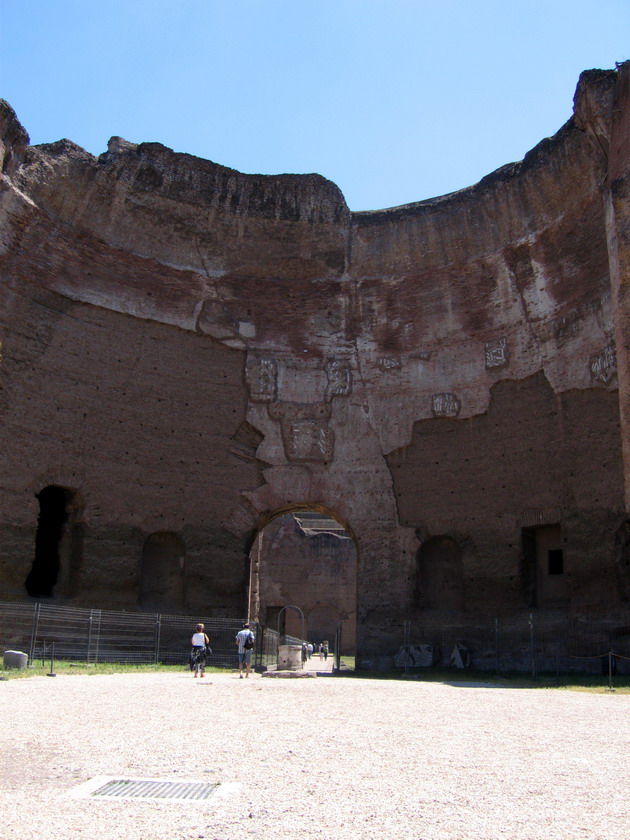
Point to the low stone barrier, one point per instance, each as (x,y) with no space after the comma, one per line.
(15,659)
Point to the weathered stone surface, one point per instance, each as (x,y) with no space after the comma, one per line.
(189,351)
(15,659)
(289,674)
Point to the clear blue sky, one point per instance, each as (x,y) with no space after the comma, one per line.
(393,100)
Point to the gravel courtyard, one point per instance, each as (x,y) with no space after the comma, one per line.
(330,757)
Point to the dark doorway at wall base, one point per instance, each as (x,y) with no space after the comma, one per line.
(53,515)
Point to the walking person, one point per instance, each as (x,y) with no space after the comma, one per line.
(245,640)
(199,652)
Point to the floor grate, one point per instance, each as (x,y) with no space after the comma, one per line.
(151,789)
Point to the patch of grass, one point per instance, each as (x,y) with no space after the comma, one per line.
(591,683)
(63,667)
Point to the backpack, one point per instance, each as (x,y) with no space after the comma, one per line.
(248,644)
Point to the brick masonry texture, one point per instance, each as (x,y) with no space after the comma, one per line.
(189,352)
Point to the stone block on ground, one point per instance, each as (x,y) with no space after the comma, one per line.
(15,659)
(289,674)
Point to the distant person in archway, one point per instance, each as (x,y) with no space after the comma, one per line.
(245,640)
(199,652)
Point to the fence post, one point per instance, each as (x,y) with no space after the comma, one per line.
(496,644)
(94,636)
(531,633)
(98,636)
(610,661)
(51,673)
(158,630)
(89,642)
(34,628)
(258,645)
(337,666)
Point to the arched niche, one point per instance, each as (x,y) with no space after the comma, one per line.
(439,574)
(162,572)
(622,559)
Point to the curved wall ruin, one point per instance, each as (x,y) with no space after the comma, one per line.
(187,350)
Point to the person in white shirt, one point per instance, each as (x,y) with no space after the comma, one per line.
(199,652)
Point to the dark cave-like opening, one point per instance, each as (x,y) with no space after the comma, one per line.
(53,515)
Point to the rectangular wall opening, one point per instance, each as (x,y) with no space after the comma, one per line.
(544,579)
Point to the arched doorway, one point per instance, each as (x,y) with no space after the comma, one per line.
(305,556)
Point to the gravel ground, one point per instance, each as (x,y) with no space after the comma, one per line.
(314,758)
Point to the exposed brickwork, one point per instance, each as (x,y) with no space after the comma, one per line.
(189,351)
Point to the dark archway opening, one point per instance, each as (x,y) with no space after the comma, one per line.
(54,503)
(308,558)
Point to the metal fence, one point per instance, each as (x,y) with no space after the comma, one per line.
(92,636)
(535,644)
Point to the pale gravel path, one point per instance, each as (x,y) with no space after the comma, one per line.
(318,758)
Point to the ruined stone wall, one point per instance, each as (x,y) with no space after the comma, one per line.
(561,464)
(136,417)
(448,369)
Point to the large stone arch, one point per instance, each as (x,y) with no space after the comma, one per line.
(304,555)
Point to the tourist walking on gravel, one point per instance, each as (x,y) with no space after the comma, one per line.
(199,652)
(245,640)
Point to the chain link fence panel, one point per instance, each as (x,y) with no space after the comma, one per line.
(92,636)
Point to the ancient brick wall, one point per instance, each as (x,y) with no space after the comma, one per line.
(136,417)
(188,351)
(561,464)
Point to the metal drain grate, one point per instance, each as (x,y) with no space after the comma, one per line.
(151,789)
(131,788)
